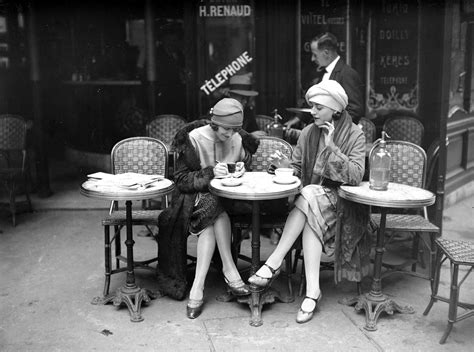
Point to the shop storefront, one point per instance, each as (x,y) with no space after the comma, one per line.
(106,70)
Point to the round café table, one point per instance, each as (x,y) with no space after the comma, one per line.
(397,196)
(255,187)
(130,293)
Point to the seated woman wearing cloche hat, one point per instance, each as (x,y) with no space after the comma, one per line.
(329,152)
(204,148)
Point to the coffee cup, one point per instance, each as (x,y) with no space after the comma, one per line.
(284,173)
(231,167)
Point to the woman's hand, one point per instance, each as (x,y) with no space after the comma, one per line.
(278,159)
(239,167)
(220,169)
(329,128)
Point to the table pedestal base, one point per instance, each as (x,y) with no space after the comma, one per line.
(373,306)
(258,298)
(133,297)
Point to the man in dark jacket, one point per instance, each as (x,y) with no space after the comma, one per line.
(324,49)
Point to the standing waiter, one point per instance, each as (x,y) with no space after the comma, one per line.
(324,49)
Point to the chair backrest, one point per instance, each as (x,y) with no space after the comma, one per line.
(13,130)
(408,163)
(268,145)
(404,128)
(164,127)
(144,155)
(263,121)
(432,155)
(368,127)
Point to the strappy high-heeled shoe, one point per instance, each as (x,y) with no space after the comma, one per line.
(260,281)
(304,316)
(237,287)
(194,308)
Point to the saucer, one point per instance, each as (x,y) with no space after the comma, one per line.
(231,182)
(288,181)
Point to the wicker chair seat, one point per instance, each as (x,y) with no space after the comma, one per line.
(460,252)
(139,217)
(406,222)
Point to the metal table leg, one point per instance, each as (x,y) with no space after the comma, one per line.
(258,296)
(130,294)
(375,302)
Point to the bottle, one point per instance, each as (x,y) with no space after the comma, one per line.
(276,128)
(380,161)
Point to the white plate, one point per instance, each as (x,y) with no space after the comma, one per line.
(288,181)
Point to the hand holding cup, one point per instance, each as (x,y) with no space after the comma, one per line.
(220,169)
(277,160)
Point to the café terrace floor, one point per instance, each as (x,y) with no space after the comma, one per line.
(52,266)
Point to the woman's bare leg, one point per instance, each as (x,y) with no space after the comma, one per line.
(205,249)
(294,225)
(312,250)
(222,231)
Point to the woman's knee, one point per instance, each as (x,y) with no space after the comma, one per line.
(223,217)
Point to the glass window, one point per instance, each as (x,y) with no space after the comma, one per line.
(226,46)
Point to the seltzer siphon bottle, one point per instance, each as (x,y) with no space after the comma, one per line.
(276,129)
(380,161)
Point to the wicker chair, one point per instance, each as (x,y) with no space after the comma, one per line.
(268,220)
(409,167)
(143,155)
(368,127)
(14,163)
(458,253)
(404,128)
(164,127)
(263,122)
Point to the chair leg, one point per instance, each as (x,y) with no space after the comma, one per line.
(289,272)
(415,252)
(434,281)
(13,204)
(108,259)
(432,264)
(302,279)
(453,303)
(27,193)
(295,262)
(118,245)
